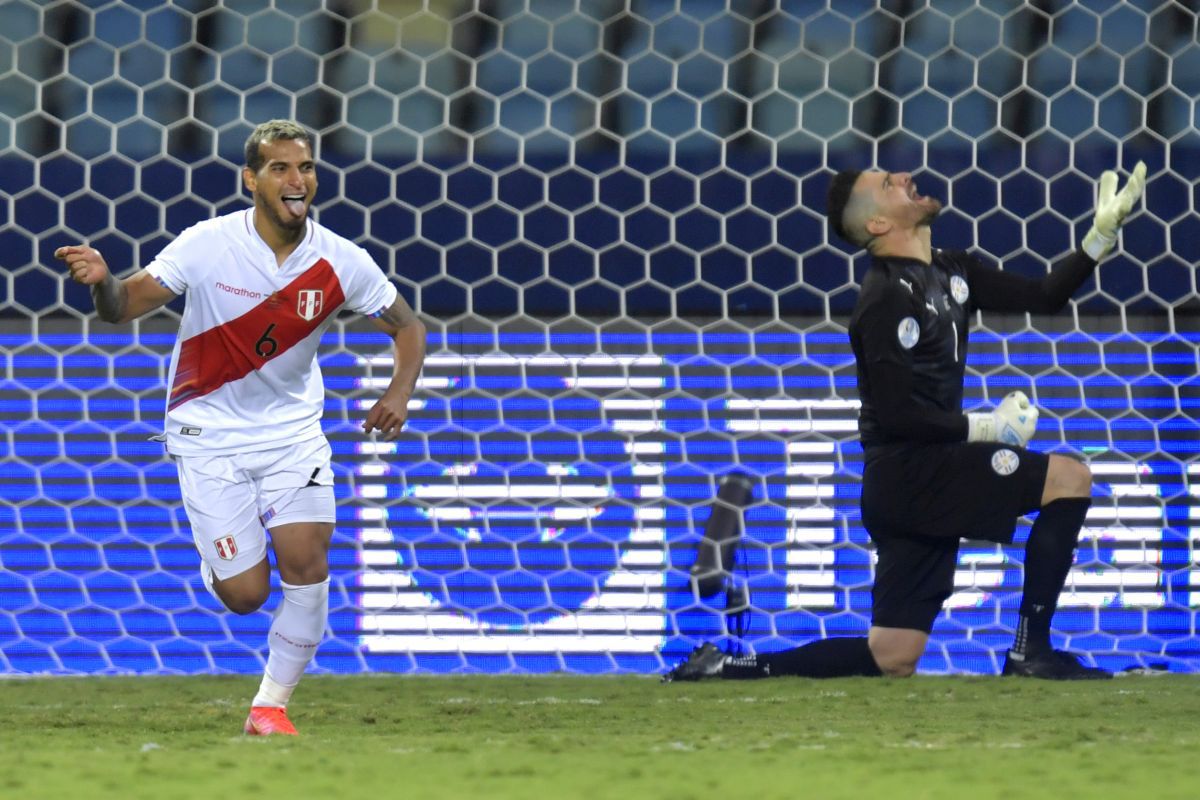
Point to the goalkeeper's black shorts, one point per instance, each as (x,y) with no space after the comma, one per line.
(918,501)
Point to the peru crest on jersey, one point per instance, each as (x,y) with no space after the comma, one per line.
(308,303)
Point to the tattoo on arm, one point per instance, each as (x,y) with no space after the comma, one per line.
(111,297)
(408,333)
(399,314)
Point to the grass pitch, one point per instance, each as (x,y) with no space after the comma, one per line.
(573,737)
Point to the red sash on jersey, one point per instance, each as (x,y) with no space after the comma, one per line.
(233,350)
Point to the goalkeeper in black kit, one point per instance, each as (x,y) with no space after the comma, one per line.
(933,475)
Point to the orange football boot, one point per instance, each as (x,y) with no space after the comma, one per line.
(268,721)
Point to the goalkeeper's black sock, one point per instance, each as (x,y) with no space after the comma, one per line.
(824,658)
(1048,557)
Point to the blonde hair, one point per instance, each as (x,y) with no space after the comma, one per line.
(271,131)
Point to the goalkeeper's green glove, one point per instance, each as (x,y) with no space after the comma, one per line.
(1111,209)
(1013,422)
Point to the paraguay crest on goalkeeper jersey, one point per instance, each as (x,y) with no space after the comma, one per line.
(244,370)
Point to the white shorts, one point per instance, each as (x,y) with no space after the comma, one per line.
(231,499)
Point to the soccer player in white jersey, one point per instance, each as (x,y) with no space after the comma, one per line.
(243,420)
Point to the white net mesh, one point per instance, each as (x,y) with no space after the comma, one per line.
(609,213)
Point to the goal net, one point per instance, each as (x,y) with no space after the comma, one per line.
(609,213)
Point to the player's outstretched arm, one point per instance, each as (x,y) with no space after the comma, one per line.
(390,412)
(1112,207)
(116,300)
(994,290)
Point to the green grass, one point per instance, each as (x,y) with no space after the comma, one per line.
(573,737)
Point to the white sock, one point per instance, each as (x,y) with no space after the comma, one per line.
(206,575)
(298,628)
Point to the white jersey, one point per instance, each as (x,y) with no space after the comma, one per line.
(244,373)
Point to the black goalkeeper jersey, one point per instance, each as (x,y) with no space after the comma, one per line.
(909,336)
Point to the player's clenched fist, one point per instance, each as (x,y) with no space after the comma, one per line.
(1013,422)
(85,264)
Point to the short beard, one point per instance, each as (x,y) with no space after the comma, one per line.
(280,222)
(931,214)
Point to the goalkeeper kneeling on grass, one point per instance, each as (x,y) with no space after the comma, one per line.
(933,475)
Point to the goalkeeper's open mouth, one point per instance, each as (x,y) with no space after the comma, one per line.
(931,205)
(915,196)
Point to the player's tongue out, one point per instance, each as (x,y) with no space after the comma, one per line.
(294,203)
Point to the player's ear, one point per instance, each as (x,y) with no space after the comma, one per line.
(249,179)
(878,226)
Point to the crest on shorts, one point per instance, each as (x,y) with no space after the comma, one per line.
(308,303)
(226,548)
(909,331)
(958,289)
(1005,462)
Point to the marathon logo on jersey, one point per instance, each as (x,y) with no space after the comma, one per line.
(308,303)
(189,431)
(239,291)
(909,332)
(1005,462)
(958,289)
(226,548)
